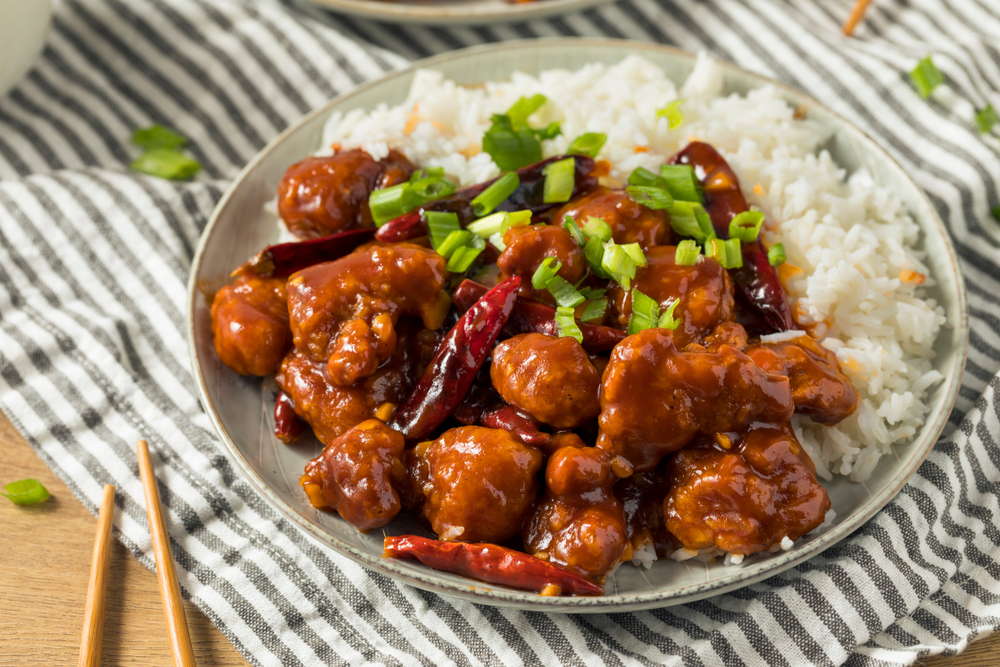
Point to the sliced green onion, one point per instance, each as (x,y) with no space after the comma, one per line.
(687,253)
(595,310)
(463,257)
(545,272)
(592,293)
(618,264)
(645,178)
(745,226)
(524,107)
(594,252)
(667,320)
(510,148)
(166,163)
(681,182)
(986,119)
(560,177)
(650,196)
(158,136)
(597,228)
(589,144)
(926,77)
(429,188)
(496,193)
(518,219)
(672,113)
(634,251)
(439,225)
(454,241)
(728,253)
(389,203)
(569,224)
(427,172)
(550,131)
(26,492)
(566,324)
(690,219)
(645,312)
(563,292)
(497,241)
(776,253)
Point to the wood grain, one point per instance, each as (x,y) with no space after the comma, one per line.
(45,553)
(97,588)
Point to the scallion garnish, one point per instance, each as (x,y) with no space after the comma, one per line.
(560,177)
(681,182)
(589,144)
(545,272)
(986,119)
(496,193)
(645,178)
(592,293)
(463,257)
(597,228)
(594,310)
(569,224)
(499,223)
(618,264)
(524,107)
(389,203)
(745,226)
(689,219)
(645,313)
(926,77)
(158,136)
(672,113)
(25,492)
(776,253)
(634,251)
(650,196)
(667,319)
(687,253)
(728,253)
(594,252)
(454,241)
(566,324)
(550,131)
(166,163)
(563,292)
(510,142)
(439,225)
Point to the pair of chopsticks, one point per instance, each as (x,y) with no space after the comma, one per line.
(857,13)
(170,592)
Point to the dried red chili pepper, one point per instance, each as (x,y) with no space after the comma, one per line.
(756,281)
(523,426)
(529,196)
(284,259)
(534,317)
(287,425)
(454,365)
(491,563)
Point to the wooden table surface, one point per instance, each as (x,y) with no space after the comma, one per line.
(45,553)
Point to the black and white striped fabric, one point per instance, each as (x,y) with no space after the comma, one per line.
(94,260)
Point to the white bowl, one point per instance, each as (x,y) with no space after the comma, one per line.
(24,27)
(241,407)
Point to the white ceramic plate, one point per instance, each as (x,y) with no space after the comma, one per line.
(456,12)
(241,407)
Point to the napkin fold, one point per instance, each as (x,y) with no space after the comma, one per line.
(94,261)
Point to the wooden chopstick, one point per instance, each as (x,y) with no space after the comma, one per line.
(857,14)
(97,590)
(170,592)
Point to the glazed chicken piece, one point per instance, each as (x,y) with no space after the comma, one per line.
(641,496)
(579,524)
(819,389)
(528,246)
(476,484)
(704,290)
(552,379)
(358,475)
(332,409)
(630,222)
(344,312)
(655,398)
(320,196)
(745,498)
(250,325)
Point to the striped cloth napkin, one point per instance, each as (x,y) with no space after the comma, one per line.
(94,260)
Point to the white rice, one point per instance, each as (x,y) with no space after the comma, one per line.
(849,242)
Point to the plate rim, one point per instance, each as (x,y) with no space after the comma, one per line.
(456,13)
(427,579)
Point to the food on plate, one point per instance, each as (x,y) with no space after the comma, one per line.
(566,337)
